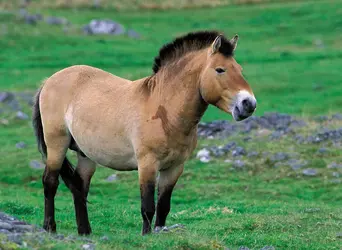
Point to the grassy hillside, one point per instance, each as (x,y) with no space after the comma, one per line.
(291,55)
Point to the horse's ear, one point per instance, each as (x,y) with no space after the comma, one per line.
(234,41)
(216,44)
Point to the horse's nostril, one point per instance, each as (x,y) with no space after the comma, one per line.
(248,105)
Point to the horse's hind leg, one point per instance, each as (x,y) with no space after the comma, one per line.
(57,146)
(167,180)
(85,170)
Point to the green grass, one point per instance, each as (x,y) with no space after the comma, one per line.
(219,207)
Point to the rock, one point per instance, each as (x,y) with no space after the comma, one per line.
(6,96)
(56,20)
(112,178)
(23,228)
(103,27)
(253,154)
(21,115)
(133,34)
(205,159)
(26,97)
(4,121)
(203,153)
(243,248)
(228,147)
(238,164)
(268,248)
(238,151)
(37,164)
(310,172)
(20,145)
(296,164)
(312,210)
(104,238)
(319,43)
(15,237)
(4,231)
(5,225)
(339,235)
(216,151)
(279,157)
(276,135)
(334,165)
(323,151)
(88,246)
(9,100)
(337,117)
(336,174)
(336,181)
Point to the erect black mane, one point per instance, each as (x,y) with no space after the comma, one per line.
(190,42)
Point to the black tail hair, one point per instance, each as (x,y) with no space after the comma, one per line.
(70,177)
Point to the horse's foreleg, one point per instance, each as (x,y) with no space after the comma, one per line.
(167,180)
(147,179)
(85,169)
(54,161)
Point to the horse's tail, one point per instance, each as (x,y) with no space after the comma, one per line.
(37,125)
(70,177)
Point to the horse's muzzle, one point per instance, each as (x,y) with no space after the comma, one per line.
(244,107)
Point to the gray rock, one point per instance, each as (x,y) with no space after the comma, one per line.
(203,153)
(103,27)
(323,151)
(243,248)
(339,235)
(6,96)
(104,238)
(238,151)
(280,156)
(4,231)
(15,237)
(21,115)
(56,20)
(238,164)
(112,178)
(334,165)
(336,181)
(23,228)
(309,172)
(59,237)
(253,154)
(296,164)
(26,97)
(337,117)
(37,164)
(20,145)
(268,248)
(336,174)
(133,34)
(312,210)
(5,225)
(88,246)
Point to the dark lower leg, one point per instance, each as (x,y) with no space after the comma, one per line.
(81,210)
(163,205)
(50,182)
(147,205)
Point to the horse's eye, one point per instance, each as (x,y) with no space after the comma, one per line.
(220,70)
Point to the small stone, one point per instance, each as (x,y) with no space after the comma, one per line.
(310,172)
(21,115)
(238,164)
(20,145)
(253,154)
(268,248)
(112,178)
(56,20)
(337,117)
(133,34)
(238,151)
(205,159)
(296,164)
(339,235)
(334,165)
(16,238)
(104,238)
(60,237)
(336,174)
(243,248)
(228,161)
(336,181)
(203,153)
(4,121)
(37,164)
(323,151)
(4,225)
(88,247)
(312,210)
(23,228)
(279,157)
(4,231)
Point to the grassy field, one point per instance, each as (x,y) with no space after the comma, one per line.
(291,55)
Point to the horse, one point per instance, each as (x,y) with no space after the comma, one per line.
(148,125)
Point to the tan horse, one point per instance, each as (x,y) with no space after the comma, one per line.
(149,125)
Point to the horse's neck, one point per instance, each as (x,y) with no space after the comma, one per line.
(178,92)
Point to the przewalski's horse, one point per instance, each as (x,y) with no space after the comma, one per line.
(149,125)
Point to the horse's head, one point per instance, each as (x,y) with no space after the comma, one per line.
(222,83)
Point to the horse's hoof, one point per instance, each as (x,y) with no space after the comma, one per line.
(49,228)
(84,231)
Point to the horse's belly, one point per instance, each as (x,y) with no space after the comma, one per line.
(115,152)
